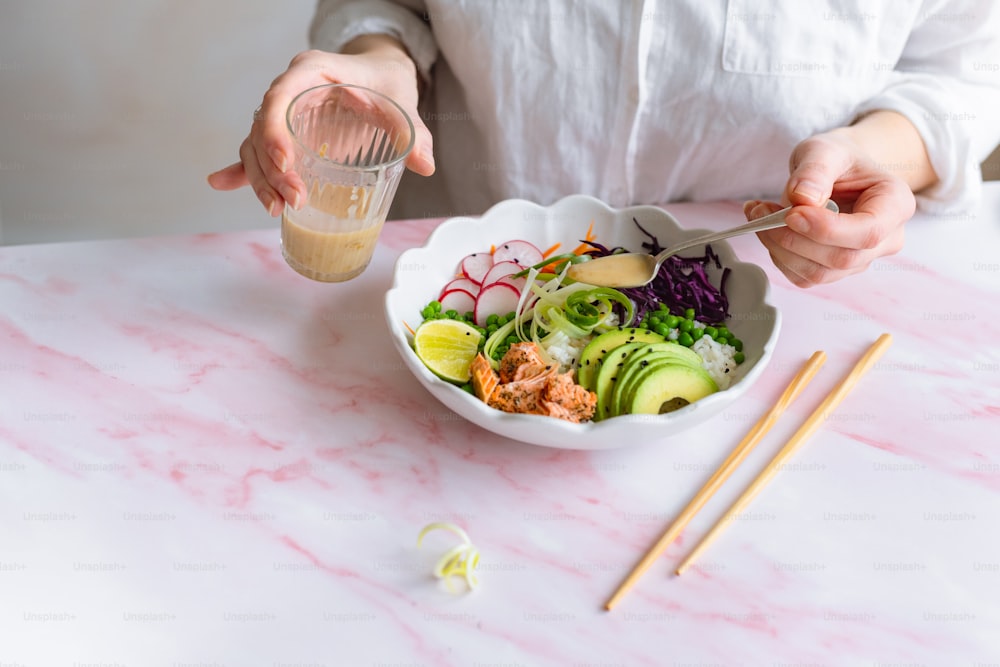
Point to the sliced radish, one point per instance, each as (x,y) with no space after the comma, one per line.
(516,283)
(495,299)
(458,300)
(499,270)
(476,266)
(523,253)
(462,284)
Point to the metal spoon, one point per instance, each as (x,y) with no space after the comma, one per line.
(635,269)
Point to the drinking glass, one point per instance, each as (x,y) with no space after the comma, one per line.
(350,145)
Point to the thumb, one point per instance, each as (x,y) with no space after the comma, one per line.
(815,168)
(421,158)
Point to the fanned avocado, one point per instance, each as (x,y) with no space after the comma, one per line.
(593,355)
(604,384)
(662,383)
(640,366)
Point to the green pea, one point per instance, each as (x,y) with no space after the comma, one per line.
(491,319)
(689,313)
(711,331)
(654,320)
(697,333)
(427,313)
(435,306)
(664,308)
(672,321)
(643,325)
(739,357)
(451,314)
(685,339)
(685,326)
(661,329)
(738,344)
(511,315)
(510,340)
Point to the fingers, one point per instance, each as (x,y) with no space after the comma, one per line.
(267,154)
(268,196)
(756,208)
(229,178)
(421,158)
(882,206)
(815,166)
(806,261)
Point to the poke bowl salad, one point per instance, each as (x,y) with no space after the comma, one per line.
(487,318)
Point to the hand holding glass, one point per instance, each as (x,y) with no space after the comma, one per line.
(350,145)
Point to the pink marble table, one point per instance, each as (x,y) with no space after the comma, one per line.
(206,460)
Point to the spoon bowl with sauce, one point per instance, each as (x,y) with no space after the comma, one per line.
(635,269)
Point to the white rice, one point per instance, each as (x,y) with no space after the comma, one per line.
(717,358)
(565,350)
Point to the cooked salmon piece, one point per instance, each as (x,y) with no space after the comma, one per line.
(518,355)
(527,385)
(484,378)
(524,395)
(565,399)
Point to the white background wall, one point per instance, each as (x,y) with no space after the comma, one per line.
(112,112)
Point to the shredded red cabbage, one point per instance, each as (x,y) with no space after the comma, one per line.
(681,283)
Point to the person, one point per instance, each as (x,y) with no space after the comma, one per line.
(882,109)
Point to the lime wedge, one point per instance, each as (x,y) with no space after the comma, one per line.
(447,348)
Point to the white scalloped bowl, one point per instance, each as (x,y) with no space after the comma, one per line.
(420,273)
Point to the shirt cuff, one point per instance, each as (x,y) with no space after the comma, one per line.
(954,131)
(337,23)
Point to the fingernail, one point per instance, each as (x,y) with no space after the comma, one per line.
(809,190)
(797,222)
(279,160)
(291,196)
(268,202)
(749,205)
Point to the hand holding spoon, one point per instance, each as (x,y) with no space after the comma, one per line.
(635,269)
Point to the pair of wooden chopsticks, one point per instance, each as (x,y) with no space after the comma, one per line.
(795,387)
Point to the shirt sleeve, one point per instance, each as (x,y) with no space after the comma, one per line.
(947,84)
(337,22)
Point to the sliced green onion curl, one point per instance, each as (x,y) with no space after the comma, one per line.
(459,561)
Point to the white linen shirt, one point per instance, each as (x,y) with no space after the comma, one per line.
(653,101)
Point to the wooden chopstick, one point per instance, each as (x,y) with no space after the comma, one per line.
(763,425)
(814,421)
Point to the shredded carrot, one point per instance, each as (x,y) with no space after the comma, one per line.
(551,250)
(589,236)
(412,332)
(493,249)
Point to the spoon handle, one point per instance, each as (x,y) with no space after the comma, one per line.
(770,221)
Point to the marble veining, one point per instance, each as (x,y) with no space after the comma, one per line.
(206,459)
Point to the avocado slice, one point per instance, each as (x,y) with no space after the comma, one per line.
(682,354)
(596,350)
(637,364)
(664,382)
(612,363)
